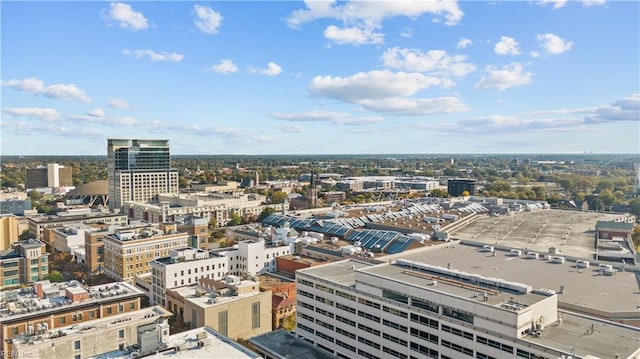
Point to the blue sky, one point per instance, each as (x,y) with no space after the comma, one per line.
(354,77)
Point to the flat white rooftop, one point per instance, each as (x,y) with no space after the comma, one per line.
(584,288)
(571,232)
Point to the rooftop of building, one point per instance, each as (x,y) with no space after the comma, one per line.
(586,336)
(282,344)
(212,295)
(29,243)
(130,234)
(304,259)
(581,287)
(180,255)
(55,218)
(100,187)
(571,232)
(268,281)
(25,302)
(203,342)
(42,333)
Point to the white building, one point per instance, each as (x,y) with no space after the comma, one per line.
(410,309)
(70,239)
(254,257)
(184,267)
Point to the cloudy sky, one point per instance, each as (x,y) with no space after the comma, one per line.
(322,77)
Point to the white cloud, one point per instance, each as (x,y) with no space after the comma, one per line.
(557,4)
(272,69)
(507,46)
(123,122)
(593,2)
(43,114)
(562,120)
(291,128)
(416,107)
(553,44)
(96,112)
(535,54)
(374,11)
(310,116)
(338,118)
(625,109)
(360,19)
(127,18)
(508,76)
(463,43)
(118,104)
(208,20)
(96,115)
(372,85)
(436,61)
(407,32)
(225,67)
(153,55)
(353,35)
(35,86)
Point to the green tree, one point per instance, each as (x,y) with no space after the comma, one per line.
(278,197)
(439,193)
(55,276)
(235,220)
(24,235)
(635,206)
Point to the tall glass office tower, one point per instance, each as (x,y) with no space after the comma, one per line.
(138,170)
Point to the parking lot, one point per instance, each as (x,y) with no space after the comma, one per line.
(572,233)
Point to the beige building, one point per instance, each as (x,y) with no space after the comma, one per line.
(38,224)
(218,206)
(47,307)
(9,230)
(128,251)
(138,170)
(92,337)
(233,307)
(26,262)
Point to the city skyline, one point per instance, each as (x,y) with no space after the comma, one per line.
(218,77)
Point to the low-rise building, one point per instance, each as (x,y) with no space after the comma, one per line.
(70,239)
(203,342)
(128,251)
(234,307)
(9,230)
(183,267)
(254,257)
(47,306)
(218,206)
(38,224)
(26,262)
(92,337)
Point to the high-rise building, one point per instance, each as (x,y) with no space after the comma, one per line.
(52,175)
(139,170)
(456,187)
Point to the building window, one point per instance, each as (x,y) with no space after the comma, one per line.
(121,334)
(222,322)
(76,345)
(63,320)
(255,315)
(132,305)
(108,310)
